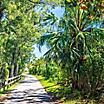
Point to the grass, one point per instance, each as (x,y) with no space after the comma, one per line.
(71,102)
(50,87)
(77,102)
(54,89)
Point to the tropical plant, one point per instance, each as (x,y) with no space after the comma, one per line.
(76,45)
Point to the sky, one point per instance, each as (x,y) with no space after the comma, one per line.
(58,11)
(38,54)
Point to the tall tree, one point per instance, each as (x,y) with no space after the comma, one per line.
(18,34)
(74,45)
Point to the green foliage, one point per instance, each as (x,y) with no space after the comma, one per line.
(17,35)
(49,70)
(77,46)
(6,74)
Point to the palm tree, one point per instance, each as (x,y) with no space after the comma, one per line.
(74,45)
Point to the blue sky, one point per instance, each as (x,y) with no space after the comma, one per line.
(58,11)
(38,53)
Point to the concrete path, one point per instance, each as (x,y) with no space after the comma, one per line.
(29,91)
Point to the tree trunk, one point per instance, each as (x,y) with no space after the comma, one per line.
(12,66)
(16,69)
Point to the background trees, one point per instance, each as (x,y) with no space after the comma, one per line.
(17,35)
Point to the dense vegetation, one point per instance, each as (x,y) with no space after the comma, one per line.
(17,37)
(75,41)
(76,50)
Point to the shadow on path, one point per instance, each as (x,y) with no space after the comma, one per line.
(29,91)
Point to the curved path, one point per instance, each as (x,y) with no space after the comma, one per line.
(29,91)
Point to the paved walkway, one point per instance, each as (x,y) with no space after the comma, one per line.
(29,91)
